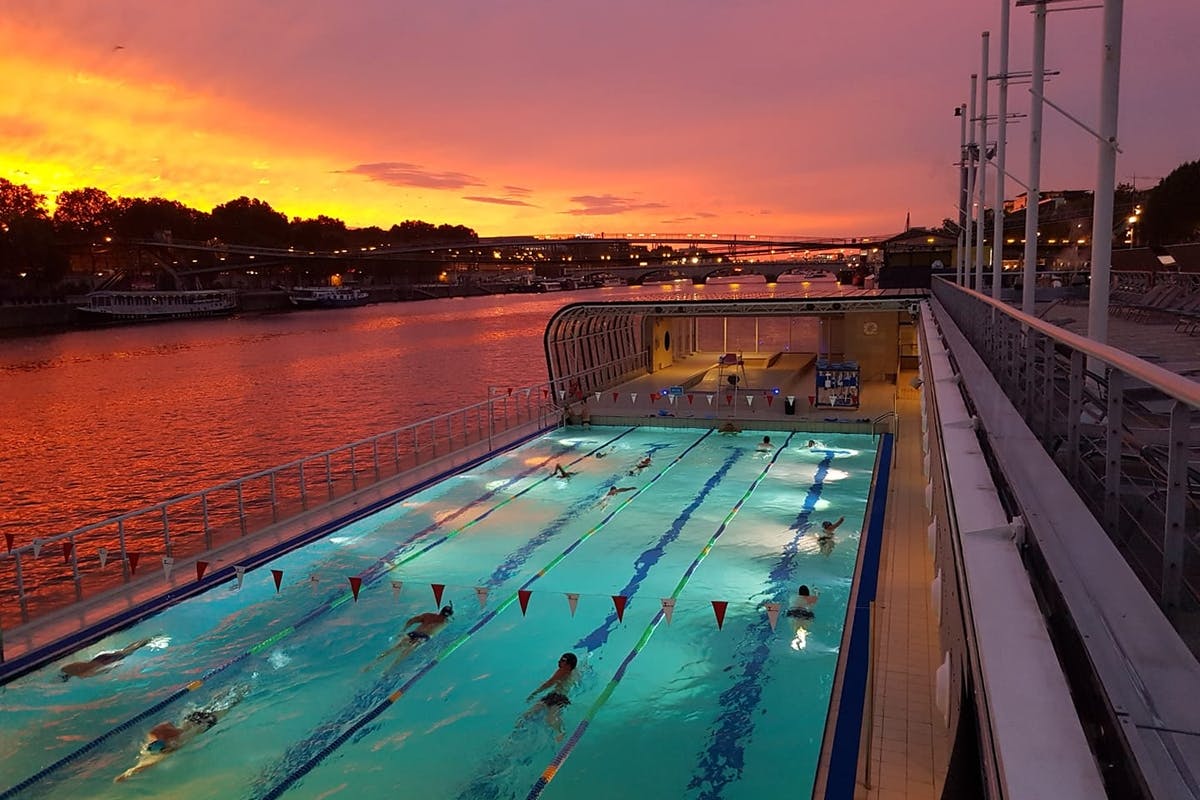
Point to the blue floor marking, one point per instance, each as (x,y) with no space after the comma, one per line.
(722,762)
(649,557)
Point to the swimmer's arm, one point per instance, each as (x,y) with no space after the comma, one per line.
(145,761)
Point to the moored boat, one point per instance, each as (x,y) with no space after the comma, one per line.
(148,306)
(328,296)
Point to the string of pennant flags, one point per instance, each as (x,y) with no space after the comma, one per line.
(654,397)
(134,559)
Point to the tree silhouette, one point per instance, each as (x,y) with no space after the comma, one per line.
(1172,212)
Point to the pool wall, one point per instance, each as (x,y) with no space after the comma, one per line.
(838,766)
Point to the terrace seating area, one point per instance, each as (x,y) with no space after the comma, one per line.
(1163,303)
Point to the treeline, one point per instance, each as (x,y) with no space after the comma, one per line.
(35,245)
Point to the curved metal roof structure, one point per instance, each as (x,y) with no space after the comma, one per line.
(592,346)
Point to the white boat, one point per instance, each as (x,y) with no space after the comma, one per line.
(328,296)
(150,305)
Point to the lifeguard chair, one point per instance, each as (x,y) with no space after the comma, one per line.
(734,363)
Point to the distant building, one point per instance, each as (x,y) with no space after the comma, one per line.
(912,257)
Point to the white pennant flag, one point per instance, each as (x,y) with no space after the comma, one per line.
(749,399)
(313,581)
(482,593)
(527,390)
(168,565)
(396,588)
(572,601)
(710,397)
(597,397)
(562,393)
(668,604)
(773,614)
(241,573)
(103,553)
(633,396)
(672,399)
(37,547)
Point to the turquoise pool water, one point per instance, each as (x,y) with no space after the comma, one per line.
(680,709)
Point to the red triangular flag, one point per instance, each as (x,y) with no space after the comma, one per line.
(719,609)
(523,597)
(10,538)
(653,396)
(133,559)
(200,567)
(770,400)
(573,601)
(728,399)
(615,396)
(438,588)
(545,392)
(67,547)
(772,614)
(689,399)
(355,585)
(277,574)
(510,395)
(619,601)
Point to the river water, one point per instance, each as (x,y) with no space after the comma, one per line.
(100,422)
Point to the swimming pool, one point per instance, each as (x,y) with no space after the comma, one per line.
(531,564)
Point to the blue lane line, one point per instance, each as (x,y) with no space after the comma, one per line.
(371,574)
(298,761)
(843,759)
(723,760)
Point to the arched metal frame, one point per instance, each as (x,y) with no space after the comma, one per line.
(594,346)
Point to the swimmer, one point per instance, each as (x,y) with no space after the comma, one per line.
(102,662)
(729,427)
(765,445)
(559,472)
(801,614)
(825,539)
(613,492)
(551,704)
(638,467)
(427,625)
(167,737)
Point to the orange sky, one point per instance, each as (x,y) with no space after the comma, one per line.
(765,116)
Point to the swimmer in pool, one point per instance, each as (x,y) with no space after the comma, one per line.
(825,539)
(613,491)
(638,467)
(167,737)
(102,662)
(765,445)
(553,702)
(801,614)
(559,472)
(427,625)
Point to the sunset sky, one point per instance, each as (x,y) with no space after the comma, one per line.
(526,116)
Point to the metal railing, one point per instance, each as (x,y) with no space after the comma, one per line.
(1124,431)
(43,575)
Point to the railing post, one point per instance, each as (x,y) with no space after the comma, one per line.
(329,475)
(1175,516)
(75,570)
(396,449)
(1074,410)
(274,501)
(1049,399)
(375,459)
(20,578)
(353,470)
(1112,451)
(241,509)
(204,521)
(303,489)
(124,553)
(166,525)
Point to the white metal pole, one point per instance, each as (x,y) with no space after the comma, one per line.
(970,190)
(1033,196)
(964,200)
(1106,170)
(1001,132)
(982,178)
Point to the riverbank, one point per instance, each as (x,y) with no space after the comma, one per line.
(58,314)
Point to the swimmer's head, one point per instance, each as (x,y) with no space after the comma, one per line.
(157,746)
(812,443)
(448,610)
(569,660)
(64,676)
(804,590)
